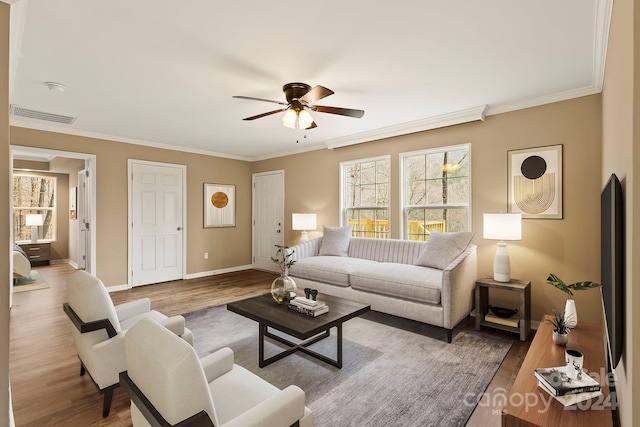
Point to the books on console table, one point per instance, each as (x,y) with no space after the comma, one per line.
(570,399)
(557,383)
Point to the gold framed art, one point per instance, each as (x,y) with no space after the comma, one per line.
(535,182)
(219,205)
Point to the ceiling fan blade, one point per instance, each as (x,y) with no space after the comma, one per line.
(259,99)
(337,110)
(313,125)
(316,94)
(265,114)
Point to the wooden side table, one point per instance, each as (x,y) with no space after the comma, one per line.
(38,253)
(523,287)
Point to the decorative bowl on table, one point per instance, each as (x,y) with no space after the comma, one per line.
(502,311)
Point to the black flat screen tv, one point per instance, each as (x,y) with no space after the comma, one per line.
(612,266)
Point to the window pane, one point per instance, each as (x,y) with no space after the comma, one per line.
(421,221)
(30,193)
(432,179)
(372,223)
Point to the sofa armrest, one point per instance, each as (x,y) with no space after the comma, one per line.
(133,308)
(306,249)
(282,409)
(218,363)
(174,323)
(458,284)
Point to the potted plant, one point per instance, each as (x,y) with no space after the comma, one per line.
(283,288)
(560,328)
(570,306)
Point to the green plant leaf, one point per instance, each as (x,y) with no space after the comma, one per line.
(580,286)
(558,283)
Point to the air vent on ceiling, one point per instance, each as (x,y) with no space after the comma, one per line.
(40,115)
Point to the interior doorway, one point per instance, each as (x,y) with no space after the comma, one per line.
(88,194)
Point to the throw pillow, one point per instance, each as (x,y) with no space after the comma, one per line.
(443,248)
(335,240)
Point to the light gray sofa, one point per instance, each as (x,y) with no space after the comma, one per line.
(384,274)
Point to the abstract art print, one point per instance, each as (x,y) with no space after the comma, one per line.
(535,182)
(219,205)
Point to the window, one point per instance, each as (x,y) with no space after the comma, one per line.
(436,191)
(34,195)
(365,196)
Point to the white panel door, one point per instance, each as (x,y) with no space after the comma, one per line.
(268,218)
(156,223)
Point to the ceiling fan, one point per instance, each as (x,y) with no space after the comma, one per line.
(301,100)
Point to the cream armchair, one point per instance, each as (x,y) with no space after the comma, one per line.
(169,385)
(99,328)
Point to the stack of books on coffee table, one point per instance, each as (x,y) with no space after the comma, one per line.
(564,389)
(308,307)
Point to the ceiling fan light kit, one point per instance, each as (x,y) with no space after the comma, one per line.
(300,99)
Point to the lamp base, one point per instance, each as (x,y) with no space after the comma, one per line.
(304,237)
(34,234)
(501,264)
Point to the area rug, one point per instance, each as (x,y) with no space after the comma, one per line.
(396,372)
(31,283)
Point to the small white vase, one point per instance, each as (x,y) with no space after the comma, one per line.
(570,313)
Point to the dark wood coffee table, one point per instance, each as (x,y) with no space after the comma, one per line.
(264,310)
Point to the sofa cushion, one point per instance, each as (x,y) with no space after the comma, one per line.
(403,281)
(328,269)
(443,248)
(335,241)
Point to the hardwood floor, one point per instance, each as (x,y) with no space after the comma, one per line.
(46,386)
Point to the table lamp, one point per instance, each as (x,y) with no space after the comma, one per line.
(34,220)
(502,226)
(304,222)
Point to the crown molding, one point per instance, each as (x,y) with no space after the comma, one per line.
(75,132)
(440,121)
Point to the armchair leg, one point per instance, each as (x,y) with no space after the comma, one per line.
(83,370)
(106,405)
(449,335)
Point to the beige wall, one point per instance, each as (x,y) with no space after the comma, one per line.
(4,214)
(621,155)
(569,247)
(227,247)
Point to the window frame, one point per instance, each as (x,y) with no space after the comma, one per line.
(343,194)
(404,208)
(54,209)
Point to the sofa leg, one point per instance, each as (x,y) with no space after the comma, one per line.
(82,370)
(449,335)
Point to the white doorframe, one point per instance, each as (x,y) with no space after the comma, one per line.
(90,164)
(130,163)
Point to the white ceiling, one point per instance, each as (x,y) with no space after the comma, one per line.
(164,72)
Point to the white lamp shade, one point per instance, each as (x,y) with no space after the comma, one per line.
(502,226)
(34,219)
(303,221)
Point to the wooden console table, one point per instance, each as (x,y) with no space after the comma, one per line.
(528,405)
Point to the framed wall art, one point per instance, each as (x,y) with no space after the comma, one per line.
(535,182)
(219,205)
